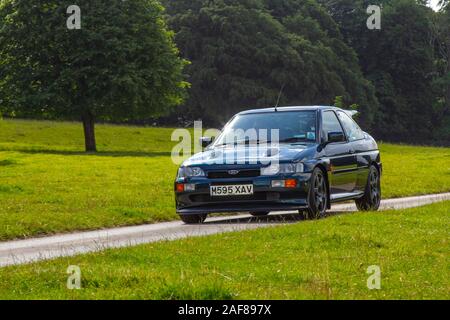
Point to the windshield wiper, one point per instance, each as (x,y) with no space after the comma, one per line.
(240,142)
(294,139)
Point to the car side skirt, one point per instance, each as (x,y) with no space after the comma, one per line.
(242,208)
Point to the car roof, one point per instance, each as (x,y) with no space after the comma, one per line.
(286,109)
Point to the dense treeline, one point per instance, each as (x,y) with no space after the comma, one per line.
(106,61)
(243,52)
(408,63)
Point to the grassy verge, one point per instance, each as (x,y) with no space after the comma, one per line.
(326,259)
(48,185)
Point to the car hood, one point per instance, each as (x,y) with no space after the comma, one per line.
(261,154)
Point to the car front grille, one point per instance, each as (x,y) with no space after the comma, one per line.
(230,174)
(205,198)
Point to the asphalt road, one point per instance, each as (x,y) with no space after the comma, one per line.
(31,250)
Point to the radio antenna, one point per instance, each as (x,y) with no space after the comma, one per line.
(279,97)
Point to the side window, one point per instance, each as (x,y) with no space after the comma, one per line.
(330,123)
(352,130)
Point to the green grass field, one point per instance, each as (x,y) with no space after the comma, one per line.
(325,259)
(48,185)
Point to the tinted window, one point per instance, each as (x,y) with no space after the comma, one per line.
(352,130)
(330,123)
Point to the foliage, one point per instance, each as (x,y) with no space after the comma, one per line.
(440,40)
(325,259)
(44,176)
(407,63)
(244,52)
(122,63)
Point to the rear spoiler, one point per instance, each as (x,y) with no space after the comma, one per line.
(351,113)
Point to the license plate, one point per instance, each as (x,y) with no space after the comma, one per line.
(234,190)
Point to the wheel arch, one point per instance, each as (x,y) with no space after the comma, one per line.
(322,167)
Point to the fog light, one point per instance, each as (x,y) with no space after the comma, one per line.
(291,183)
(278,183)
(179,187)
(189,187)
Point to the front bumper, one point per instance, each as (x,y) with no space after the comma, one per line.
(265,197)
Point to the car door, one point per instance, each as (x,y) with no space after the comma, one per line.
(341,155)
(356,138)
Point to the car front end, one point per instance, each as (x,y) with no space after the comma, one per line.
(261,162)
(239,188)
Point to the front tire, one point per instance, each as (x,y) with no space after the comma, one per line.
(194,218)
(318,195)
(372,195)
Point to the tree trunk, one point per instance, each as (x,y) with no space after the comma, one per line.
(89,132)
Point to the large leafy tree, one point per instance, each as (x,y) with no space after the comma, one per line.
(244,52)
(306,19)
(121,65)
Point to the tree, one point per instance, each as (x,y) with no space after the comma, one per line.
(444,4)
(121,65)
(244,52)
(440,41)
(306,19)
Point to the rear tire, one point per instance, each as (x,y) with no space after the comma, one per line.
(303,214)
(260,213)
(194,218)
(372,195)
(317,196)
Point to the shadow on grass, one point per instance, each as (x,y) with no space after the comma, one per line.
(270,219)
(95,154)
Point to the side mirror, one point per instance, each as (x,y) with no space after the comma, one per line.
(206,141)
(335,137)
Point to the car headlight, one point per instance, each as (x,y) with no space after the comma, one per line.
(189,172)
(285,168)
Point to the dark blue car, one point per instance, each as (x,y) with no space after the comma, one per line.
(281,159)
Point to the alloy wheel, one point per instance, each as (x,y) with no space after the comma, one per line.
(375,190)
(320,193)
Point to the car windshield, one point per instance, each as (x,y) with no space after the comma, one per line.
(282,127)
